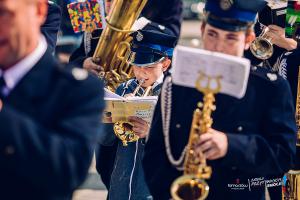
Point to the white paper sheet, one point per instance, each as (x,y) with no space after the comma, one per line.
(189,62)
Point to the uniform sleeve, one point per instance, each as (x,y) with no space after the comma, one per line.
(78,56)
(52,25)
(273,151)
(55,157)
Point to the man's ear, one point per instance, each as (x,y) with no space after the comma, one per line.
(166,64)
(250,37)
(42,11)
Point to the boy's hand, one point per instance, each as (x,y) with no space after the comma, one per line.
(140,126)
(214,144)
(89,65)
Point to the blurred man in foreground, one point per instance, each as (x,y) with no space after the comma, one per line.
(49,116)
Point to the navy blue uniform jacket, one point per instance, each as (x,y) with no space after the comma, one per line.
(261,133)
(52,25)
(49,126)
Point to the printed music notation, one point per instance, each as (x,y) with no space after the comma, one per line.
(119,108)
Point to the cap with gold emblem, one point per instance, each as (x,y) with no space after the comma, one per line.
(232,15)
(150,47)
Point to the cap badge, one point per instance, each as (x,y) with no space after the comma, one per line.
(226,4)
(139,36)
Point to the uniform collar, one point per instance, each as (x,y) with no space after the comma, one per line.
(14,74)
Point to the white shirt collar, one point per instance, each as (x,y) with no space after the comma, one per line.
(158,81)
(14,74)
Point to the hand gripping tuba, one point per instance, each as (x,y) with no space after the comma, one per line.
(113,49)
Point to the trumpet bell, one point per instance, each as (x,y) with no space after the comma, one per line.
(262,48)
(189,187)
(124,132)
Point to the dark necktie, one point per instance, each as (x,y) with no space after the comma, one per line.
(2,87)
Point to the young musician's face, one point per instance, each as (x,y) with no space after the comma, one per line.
(232,43)
(151,73)
(20,22)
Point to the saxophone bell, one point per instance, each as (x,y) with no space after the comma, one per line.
(189,187)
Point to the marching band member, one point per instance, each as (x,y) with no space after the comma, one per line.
(163,16)
(120,167)
(49,115)
(272,18)
(253,137)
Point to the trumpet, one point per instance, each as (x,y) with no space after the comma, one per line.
(137,89)
(122,129)
(262,47)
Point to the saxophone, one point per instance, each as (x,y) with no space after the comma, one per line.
(192,185)
(113,48)
(291,187)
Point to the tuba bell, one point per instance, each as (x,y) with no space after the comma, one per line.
(113,49)
(262,47)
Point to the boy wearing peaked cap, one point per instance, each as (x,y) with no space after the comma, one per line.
(242,147)
(151,57)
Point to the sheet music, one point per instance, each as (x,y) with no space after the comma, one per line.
(111,95)
(120,109)
(189,62)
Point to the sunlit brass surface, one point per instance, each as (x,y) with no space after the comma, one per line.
(192,185)
(113,49)
(262,47)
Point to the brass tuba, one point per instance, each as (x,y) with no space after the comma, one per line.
(192,186)
(113,49)
(262,47)
(291,187)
